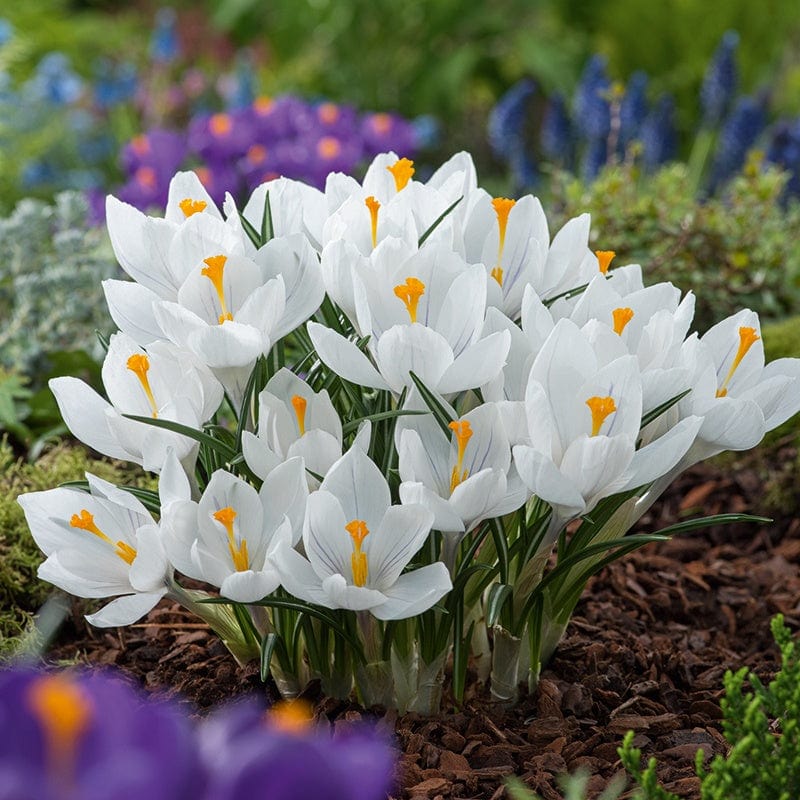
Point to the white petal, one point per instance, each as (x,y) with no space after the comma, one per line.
(415,592)
(477,364)
(132,308)
(125,610)
(249,586)
(344,358)
(402,532)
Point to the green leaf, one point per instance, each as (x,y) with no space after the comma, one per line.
(351,426)
(147,497)
(251,232)
(199,436)
(268,643)
(267,229)
(659,410)
(440,413)
(568,294)
(438,221)
(498,595)
(715,519)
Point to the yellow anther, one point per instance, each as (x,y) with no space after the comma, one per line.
(85,522)
(373,205)
(497,274)
(140,144)
(502,208)
(225,517)
(622,316)
(139,364)
(358,531)
(402,171)
(299,405)
(601,408)
(329,147)
(215,272)
(604,259)
(146,176)
(410,293)
(291,716)
(462,431)
(220,124)
(747,338)
(328,113)
(189,206)
(63,712)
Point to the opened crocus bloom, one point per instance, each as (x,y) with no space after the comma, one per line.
(357,545)
(100,544)
(161,383)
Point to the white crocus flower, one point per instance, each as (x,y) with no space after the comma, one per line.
(230,537)
(583,425)
(425,316)
(463,479)
(510,238)
(163,382)
(100,544)
(159,253)
(739,398)
(231,309)
(357,545)
(294,420)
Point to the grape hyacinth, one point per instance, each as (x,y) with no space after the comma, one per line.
(720,81)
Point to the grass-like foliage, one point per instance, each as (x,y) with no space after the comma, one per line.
(762,726)
(21,592)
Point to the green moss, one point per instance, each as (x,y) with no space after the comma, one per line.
(21,592)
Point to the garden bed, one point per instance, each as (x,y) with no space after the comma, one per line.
(646,650)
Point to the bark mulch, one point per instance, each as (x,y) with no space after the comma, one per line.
(646,651)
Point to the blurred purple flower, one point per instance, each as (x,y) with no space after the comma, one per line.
(250,760)
(381,132)
(88,736)
(719,83)
(784,152)
(162,150)
(222,136)
(633,109)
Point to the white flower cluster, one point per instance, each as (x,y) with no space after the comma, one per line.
(398,357)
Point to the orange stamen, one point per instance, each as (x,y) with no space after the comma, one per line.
(328,147)
(373,205)
(220,124)
(189,206)
(139,364)
(299,405)
(85,521)
(604,259)
(747,338)
(502,208)
(328,113)
(225,517)
(402,170)
(215,272)
(622,316)
(601,408)
(463,433)
(410,293)
(358,531)
(291,716)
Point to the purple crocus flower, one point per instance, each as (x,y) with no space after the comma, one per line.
(88,736)
(161,150)
(222,136)
(218,178)
(329,153)
(383,132)
(249,758)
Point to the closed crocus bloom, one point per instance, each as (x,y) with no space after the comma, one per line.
(283,756)
(425,315)
(100,544)
(162,382)
(230,537)
(294,420)
(583,423)
(74,735)
(357,545)
(463,479)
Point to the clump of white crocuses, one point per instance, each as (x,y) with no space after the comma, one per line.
(397,425)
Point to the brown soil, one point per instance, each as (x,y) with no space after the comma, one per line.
(646,650)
